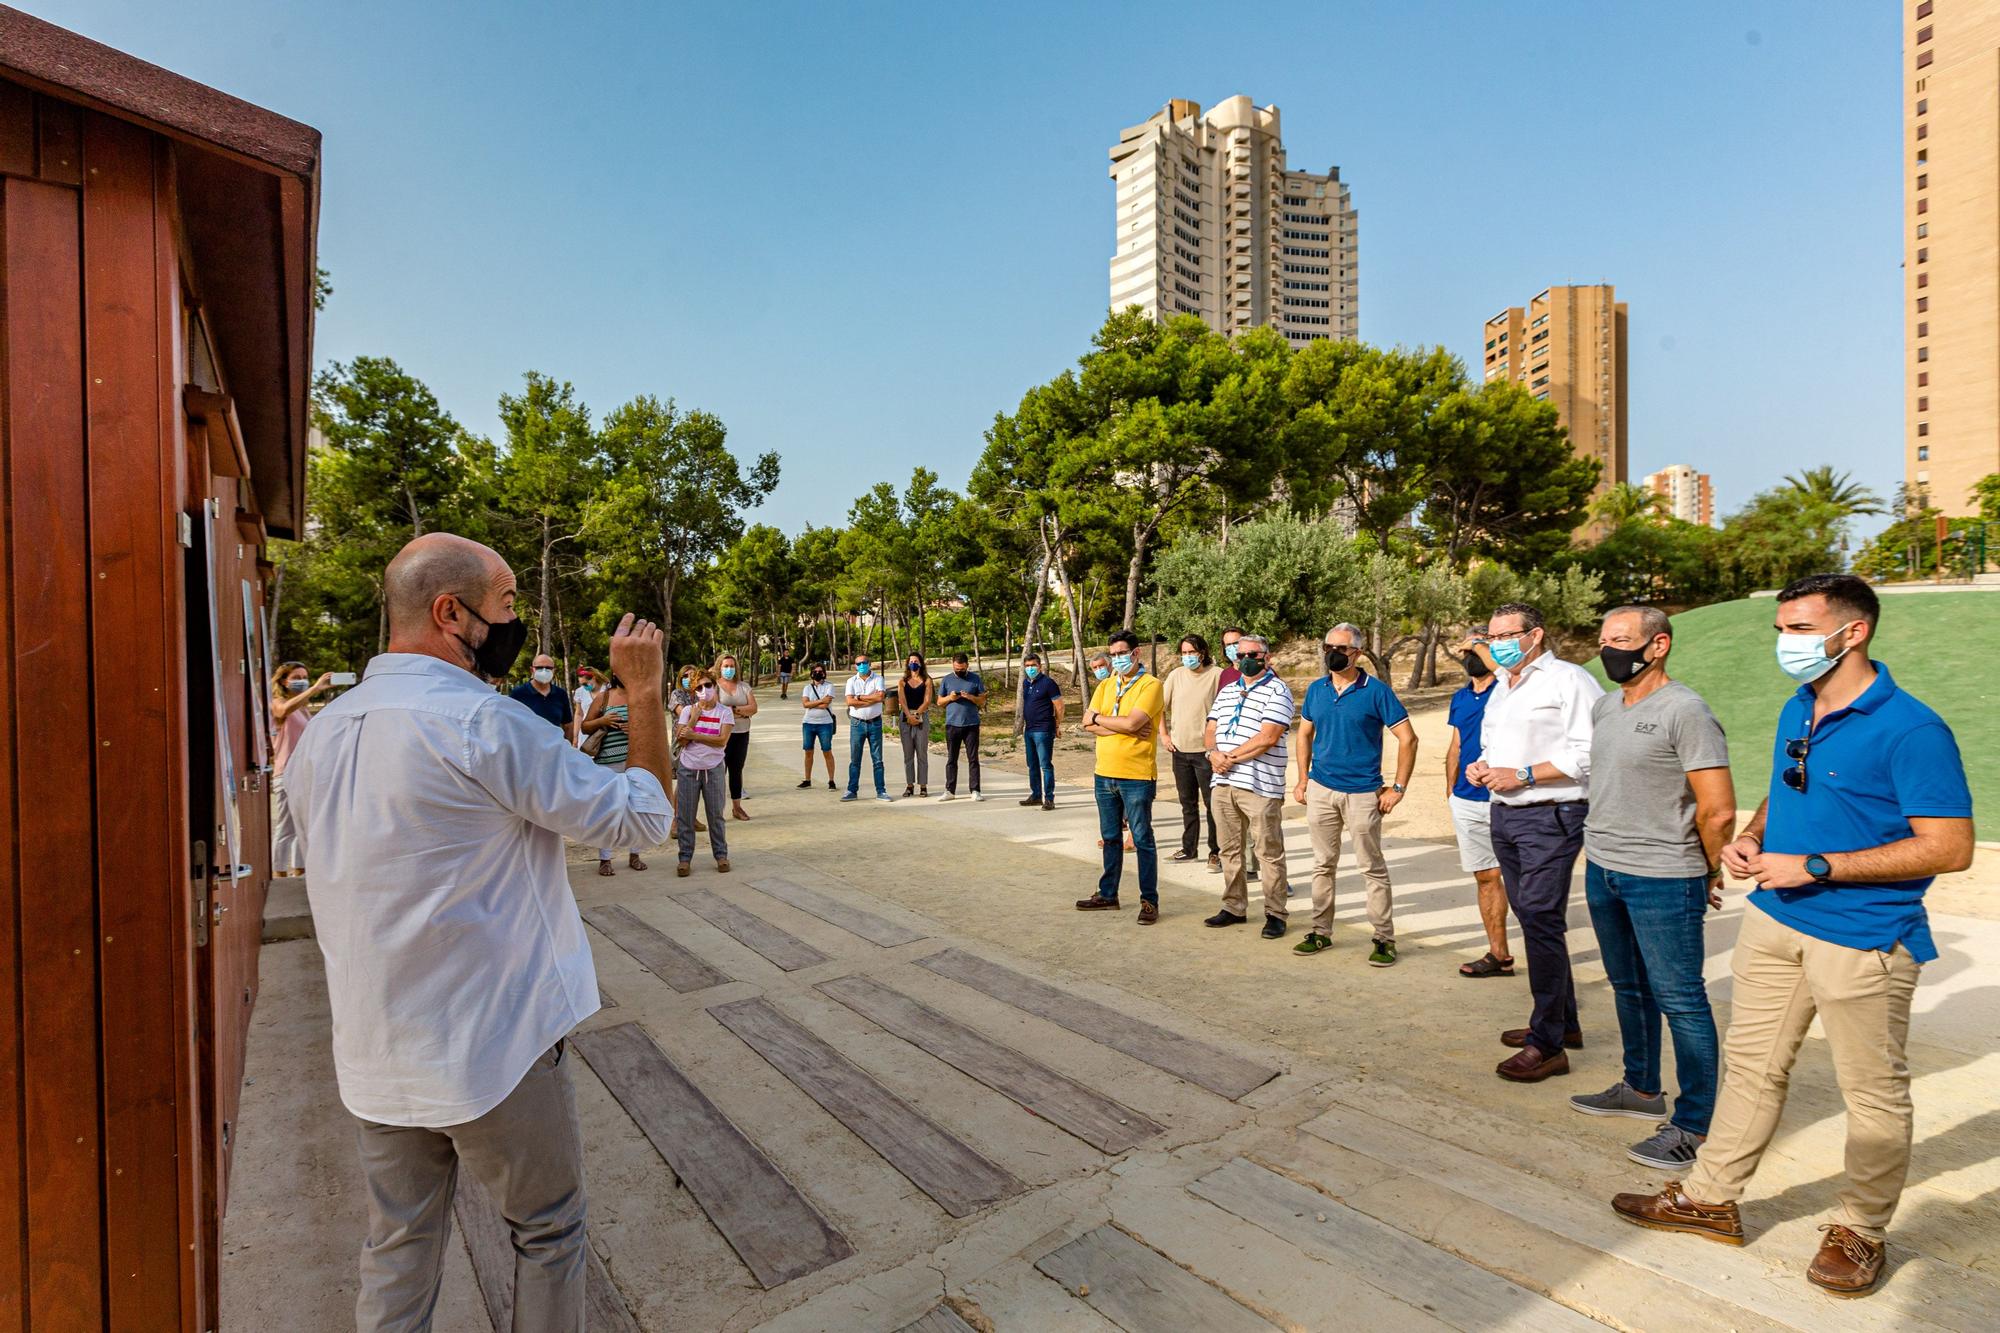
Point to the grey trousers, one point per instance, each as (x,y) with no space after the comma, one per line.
(916,734)
(528,1153)
(699,788)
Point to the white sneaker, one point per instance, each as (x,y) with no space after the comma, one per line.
(979,796)
(946,797)
(886,799)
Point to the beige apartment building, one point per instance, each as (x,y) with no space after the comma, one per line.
(1567,347)
(1951,239)
(1211,222)
(1684,493)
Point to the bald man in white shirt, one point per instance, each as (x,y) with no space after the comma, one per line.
(434,812)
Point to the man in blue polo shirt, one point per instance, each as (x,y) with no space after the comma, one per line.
(544,698)
(1340,729)
(1041,719)
(1868,802)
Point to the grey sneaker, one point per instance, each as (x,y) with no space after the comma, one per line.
(1671,1150)
(1621,1100)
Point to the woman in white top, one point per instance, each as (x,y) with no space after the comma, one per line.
(816,726)
(737,696)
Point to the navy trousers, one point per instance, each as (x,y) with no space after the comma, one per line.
(1537,846)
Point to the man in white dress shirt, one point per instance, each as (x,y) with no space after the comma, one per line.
(434,813)
(1535,760)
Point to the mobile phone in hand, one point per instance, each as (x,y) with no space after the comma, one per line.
(340,678)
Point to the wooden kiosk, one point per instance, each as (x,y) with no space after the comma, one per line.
(156,313)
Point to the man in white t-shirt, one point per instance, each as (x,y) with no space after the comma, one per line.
(864,691)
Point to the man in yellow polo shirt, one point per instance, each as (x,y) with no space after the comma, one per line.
(1124,716)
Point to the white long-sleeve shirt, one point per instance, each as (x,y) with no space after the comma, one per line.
(431,815)
(1543,718)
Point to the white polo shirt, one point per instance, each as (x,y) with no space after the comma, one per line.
(857,685)
(1545,717)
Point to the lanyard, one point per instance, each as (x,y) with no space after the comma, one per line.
(1118,689)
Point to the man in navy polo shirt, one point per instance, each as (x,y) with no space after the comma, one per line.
(1041,719)
(1340,728)
(1868,802)
(544,698)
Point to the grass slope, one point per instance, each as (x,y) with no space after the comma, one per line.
(1942,647)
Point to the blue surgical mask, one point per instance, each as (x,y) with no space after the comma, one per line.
(729,673)
(1031,672)
(1191,660)
(1101,672)
(862,668)
(1803,656)
(1229,651)
(1121,663)
(296,685)
(1507,652)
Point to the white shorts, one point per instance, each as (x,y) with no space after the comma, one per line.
(1474,822)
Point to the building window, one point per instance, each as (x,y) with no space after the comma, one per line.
(1923,304)
(1923,156)
(1924,10)
(1923,428)
(1923,35)
(1924,255)
(1923,450)
(1923,279)
(1924,404)
(1923,205)
(1924,329)
(1923,230)
(1923,59)
(1923,106)
(1923,126)
(1923,379)
(1924,181)
(1923,354)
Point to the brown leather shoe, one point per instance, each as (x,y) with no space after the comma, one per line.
(1672,1210)
(1518,1037)
(1531,1066)
(1096,904)
(1148,913)
(722,864)
(683,870)
(1848,1263)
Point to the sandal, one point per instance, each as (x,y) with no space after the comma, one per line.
(634,861)
(1489,966)
(604,868)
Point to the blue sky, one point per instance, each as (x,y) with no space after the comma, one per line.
(855,231)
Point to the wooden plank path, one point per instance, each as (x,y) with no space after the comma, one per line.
(1462,1294)
(959,1179)
(1063,1102)
(1222,1072)
(770,1225)
(652,949)
(751,931)
(491,1243)
(874,929)
(1142,1290)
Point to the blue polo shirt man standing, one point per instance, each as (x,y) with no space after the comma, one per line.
(1041,719)
(1868,802)
(1340,730)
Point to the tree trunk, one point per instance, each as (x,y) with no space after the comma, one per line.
(1417,668)
(548,553)
(1034,625)
(1007,649)
(1142,536)
(667,583)
(1075,610)
(416,514)
(978,658)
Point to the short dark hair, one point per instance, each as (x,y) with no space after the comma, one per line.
(960,657)
(1030,656)
(1125,636)
(1846,593)
(1531,617)
(1228,630)
(1200,646)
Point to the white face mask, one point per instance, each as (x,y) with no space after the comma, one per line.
(543,675)
(1803,656)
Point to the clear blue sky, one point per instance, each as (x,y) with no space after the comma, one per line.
(856,231)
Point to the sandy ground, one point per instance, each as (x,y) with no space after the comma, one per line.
(1387,1103)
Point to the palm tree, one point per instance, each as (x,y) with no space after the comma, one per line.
(1622,501)
(1837,490)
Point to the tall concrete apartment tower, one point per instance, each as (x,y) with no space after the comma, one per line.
(1951,262)
(1211,223)
(1686,494)
(1568,347)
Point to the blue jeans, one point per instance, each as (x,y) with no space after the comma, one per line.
(1650,933)
(859,731)
(1041,764)
(1132,800)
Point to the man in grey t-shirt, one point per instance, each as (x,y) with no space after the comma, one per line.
(1662,806)
(963,694)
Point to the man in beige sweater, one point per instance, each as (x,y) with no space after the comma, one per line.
(1190,693)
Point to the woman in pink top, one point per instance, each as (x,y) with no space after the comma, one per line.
(702,730)
(291,691)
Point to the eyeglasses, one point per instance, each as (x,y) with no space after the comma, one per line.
(1795,778)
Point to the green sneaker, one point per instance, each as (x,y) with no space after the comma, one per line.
(1312,943)
(1384,955)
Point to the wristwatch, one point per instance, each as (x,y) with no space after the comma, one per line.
(1396,787)
(1526,775)
(1819,868)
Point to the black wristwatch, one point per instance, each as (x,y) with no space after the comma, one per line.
(1819,868)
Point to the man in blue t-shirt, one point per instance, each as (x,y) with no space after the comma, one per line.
(1340,784)
(963,694)
(1868,802)
(1472,806)
(544,698)
(1041,719)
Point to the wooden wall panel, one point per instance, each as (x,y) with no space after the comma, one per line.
(49,638)
(139,883)
(13,1217)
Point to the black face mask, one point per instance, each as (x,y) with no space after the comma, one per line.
(1623,664)
(1475,666)
(1250,664)
(497,652)
(1336,659)
(819,674)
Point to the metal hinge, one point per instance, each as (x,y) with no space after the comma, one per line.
(186,529)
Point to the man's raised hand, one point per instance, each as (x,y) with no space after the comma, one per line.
(638,654)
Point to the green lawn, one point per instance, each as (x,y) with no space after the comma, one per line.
(1942,647)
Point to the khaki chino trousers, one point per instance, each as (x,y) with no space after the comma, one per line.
(1359,815)
(1862,999)
(1241,819)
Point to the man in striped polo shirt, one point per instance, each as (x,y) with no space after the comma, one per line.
(1246,752)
